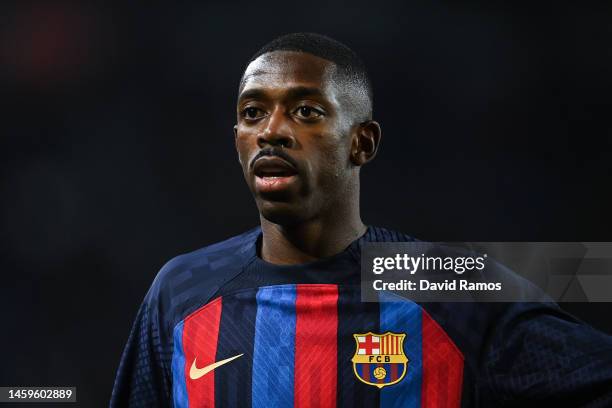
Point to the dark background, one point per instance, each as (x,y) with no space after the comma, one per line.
(117,150)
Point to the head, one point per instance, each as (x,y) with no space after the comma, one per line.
(304,128)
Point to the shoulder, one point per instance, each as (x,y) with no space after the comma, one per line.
(192,279)
(210,260)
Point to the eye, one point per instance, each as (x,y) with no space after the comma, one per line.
(308,112)
(252,113)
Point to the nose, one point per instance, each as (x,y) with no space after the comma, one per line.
(277,131)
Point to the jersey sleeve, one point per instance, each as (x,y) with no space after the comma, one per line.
(544,355)
(143,377)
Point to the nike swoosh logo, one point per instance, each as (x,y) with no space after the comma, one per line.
(195,372)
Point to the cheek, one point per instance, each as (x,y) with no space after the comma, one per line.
(333,157)
(243,147)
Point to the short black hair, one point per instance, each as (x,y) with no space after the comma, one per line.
(350,67)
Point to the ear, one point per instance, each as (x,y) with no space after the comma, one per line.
(236,142)
(236,136)
(365,142)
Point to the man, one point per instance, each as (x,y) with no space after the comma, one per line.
(274,317)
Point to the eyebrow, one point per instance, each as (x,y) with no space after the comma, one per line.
(293,93)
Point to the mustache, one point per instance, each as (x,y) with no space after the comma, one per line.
(274,151)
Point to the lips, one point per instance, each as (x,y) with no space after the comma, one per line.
(273,167)
(273,174)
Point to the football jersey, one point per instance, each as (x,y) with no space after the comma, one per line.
(220,327)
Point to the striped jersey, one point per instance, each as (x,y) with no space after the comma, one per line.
(220,327)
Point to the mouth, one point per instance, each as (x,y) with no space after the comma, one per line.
(273,174)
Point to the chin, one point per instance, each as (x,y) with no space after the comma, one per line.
(285,214)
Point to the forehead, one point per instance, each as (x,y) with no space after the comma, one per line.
(281,70)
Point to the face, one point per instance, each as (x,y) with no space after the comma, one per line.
(294,137)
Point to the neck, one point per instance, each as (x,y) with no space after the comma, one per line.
(309,241)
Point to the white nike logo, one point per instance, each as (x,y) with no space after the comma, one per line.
(195,372)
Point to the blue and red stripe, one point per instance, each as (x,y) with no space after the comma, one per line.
(274,347)
(401,316)
(354,316)
(236,334)
(316,346)
(442,367)
(200,336)
(179,394)
(297,342)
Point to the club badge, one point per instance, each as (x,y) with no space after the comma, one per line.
(379,359)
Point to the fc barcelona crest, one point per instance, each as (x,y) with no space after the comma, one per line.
(379,359)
